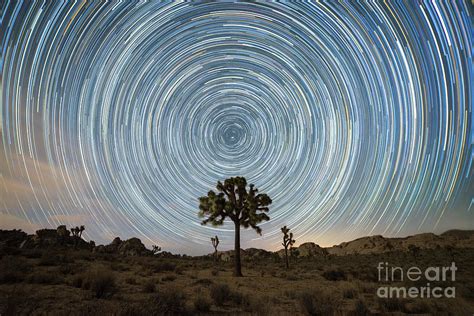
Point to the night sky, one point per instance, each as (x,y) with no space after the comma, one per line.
(355,119)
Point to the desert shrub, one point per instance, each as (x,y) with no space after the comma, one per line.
(132,309)
(169,277)
(88,307)
(77,280)
(220,293)
(291,294)
(466,291)
(417,307)
(238,298)
(45,278)
(291,277)
(391,304)
(100,282)
(11,301)
(317,303)
(67,268)
(48,259)
(445,306)
(10,277)
(361,309)
(116,266)
(334,275)
(364,287)
(169,302)
(9,250)
(163,267)
(349,293)
(131,281)
(256,305)
(179,269)
(86,255)
(12,269)
(145,273)
(367,275)
(202,304)
(32,253)
(149,286)
(205,282)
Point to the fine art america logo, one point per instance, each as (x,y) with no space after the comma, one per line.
(387,273)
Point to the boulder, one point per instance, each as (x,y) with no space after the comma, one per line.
(257,254)
(229,255)
(132,247)
(46,238)
(59,237)
(307,249)
(310,249)
(12,238)
(63,232)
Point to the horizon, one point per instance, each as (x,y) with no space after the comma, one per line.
(230,247)
(357,120)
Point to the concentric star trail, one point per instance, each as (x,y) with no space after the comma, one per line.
(356,119)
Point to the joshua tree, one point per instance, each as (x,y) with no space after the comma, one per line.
(288,242)
(215,243)
(77,234)
(77,231)
(155,249)
(244,208)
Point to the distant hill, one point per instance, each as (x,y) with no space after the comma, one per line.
(380,244)
(60,237)
(369,245)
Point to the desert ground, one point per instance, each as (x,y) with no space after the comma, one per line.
(65,280)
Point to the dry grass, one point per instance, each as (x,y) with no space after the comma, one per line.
(86,283)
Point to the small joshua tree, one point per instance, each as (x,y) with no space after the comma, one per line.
(77,234)
(215,243)
(155,249)
(288,242)
(245,207)
(77,231)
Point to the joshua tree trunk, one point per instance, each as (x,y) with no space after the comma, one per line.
(237,265)
(286,258)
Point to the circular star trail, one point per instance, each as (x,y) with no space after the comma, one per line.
(354,118)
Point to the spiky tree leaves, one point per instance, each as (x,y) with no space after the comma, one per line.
(245,207)
(288,242)
(77,231)
(155,249)
(77,234)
